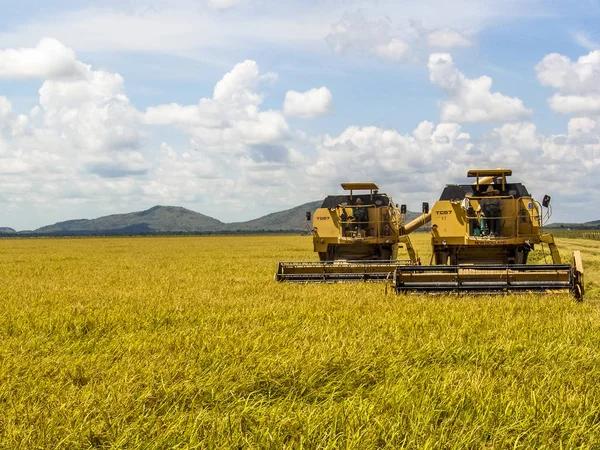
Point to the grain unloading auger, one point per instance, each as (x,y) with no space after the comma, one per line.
(481,236)
(357,237)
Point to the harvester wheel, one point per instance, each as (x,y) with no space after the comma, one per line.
(331,253)
(441,258)
(385,254)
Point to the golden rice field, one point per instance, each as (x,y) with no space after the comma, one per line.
(188,342)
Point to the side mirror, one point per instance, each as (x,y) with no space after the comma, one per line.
(546,201)
(425,207)
(308,215)
(403,209)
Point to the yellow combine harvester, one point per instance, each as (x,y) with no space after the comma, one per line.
(357,237)
(481,236)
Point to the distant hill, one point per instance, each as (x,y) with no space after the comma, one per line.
(289,220)
(411,215)
(593,225)
(175,219)
(6,230)
(159,219)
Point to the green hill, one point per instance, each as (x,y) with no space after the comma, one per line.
(159,219)
(293,219)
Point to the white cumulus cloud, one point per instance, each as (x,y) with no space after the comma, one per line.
(84,128)
(447,38)
(231,120)
(582,126)
(578,82)
(471,100)
(48,60)
(394,50)
(93,113)
(308,105)
(5,107)
(355,34)
(405,163)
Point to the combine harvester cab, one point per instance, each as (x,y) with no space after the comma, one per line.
(357,237)
(481,236)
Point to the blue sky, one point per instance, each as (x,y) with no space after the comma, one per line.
(238,108)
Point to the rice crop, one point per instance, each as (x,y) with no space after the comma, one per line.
(187,342)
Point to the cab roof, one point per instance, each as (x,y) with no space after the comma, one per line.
(334,201)
(459,191)
(489,173)
(359,186)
